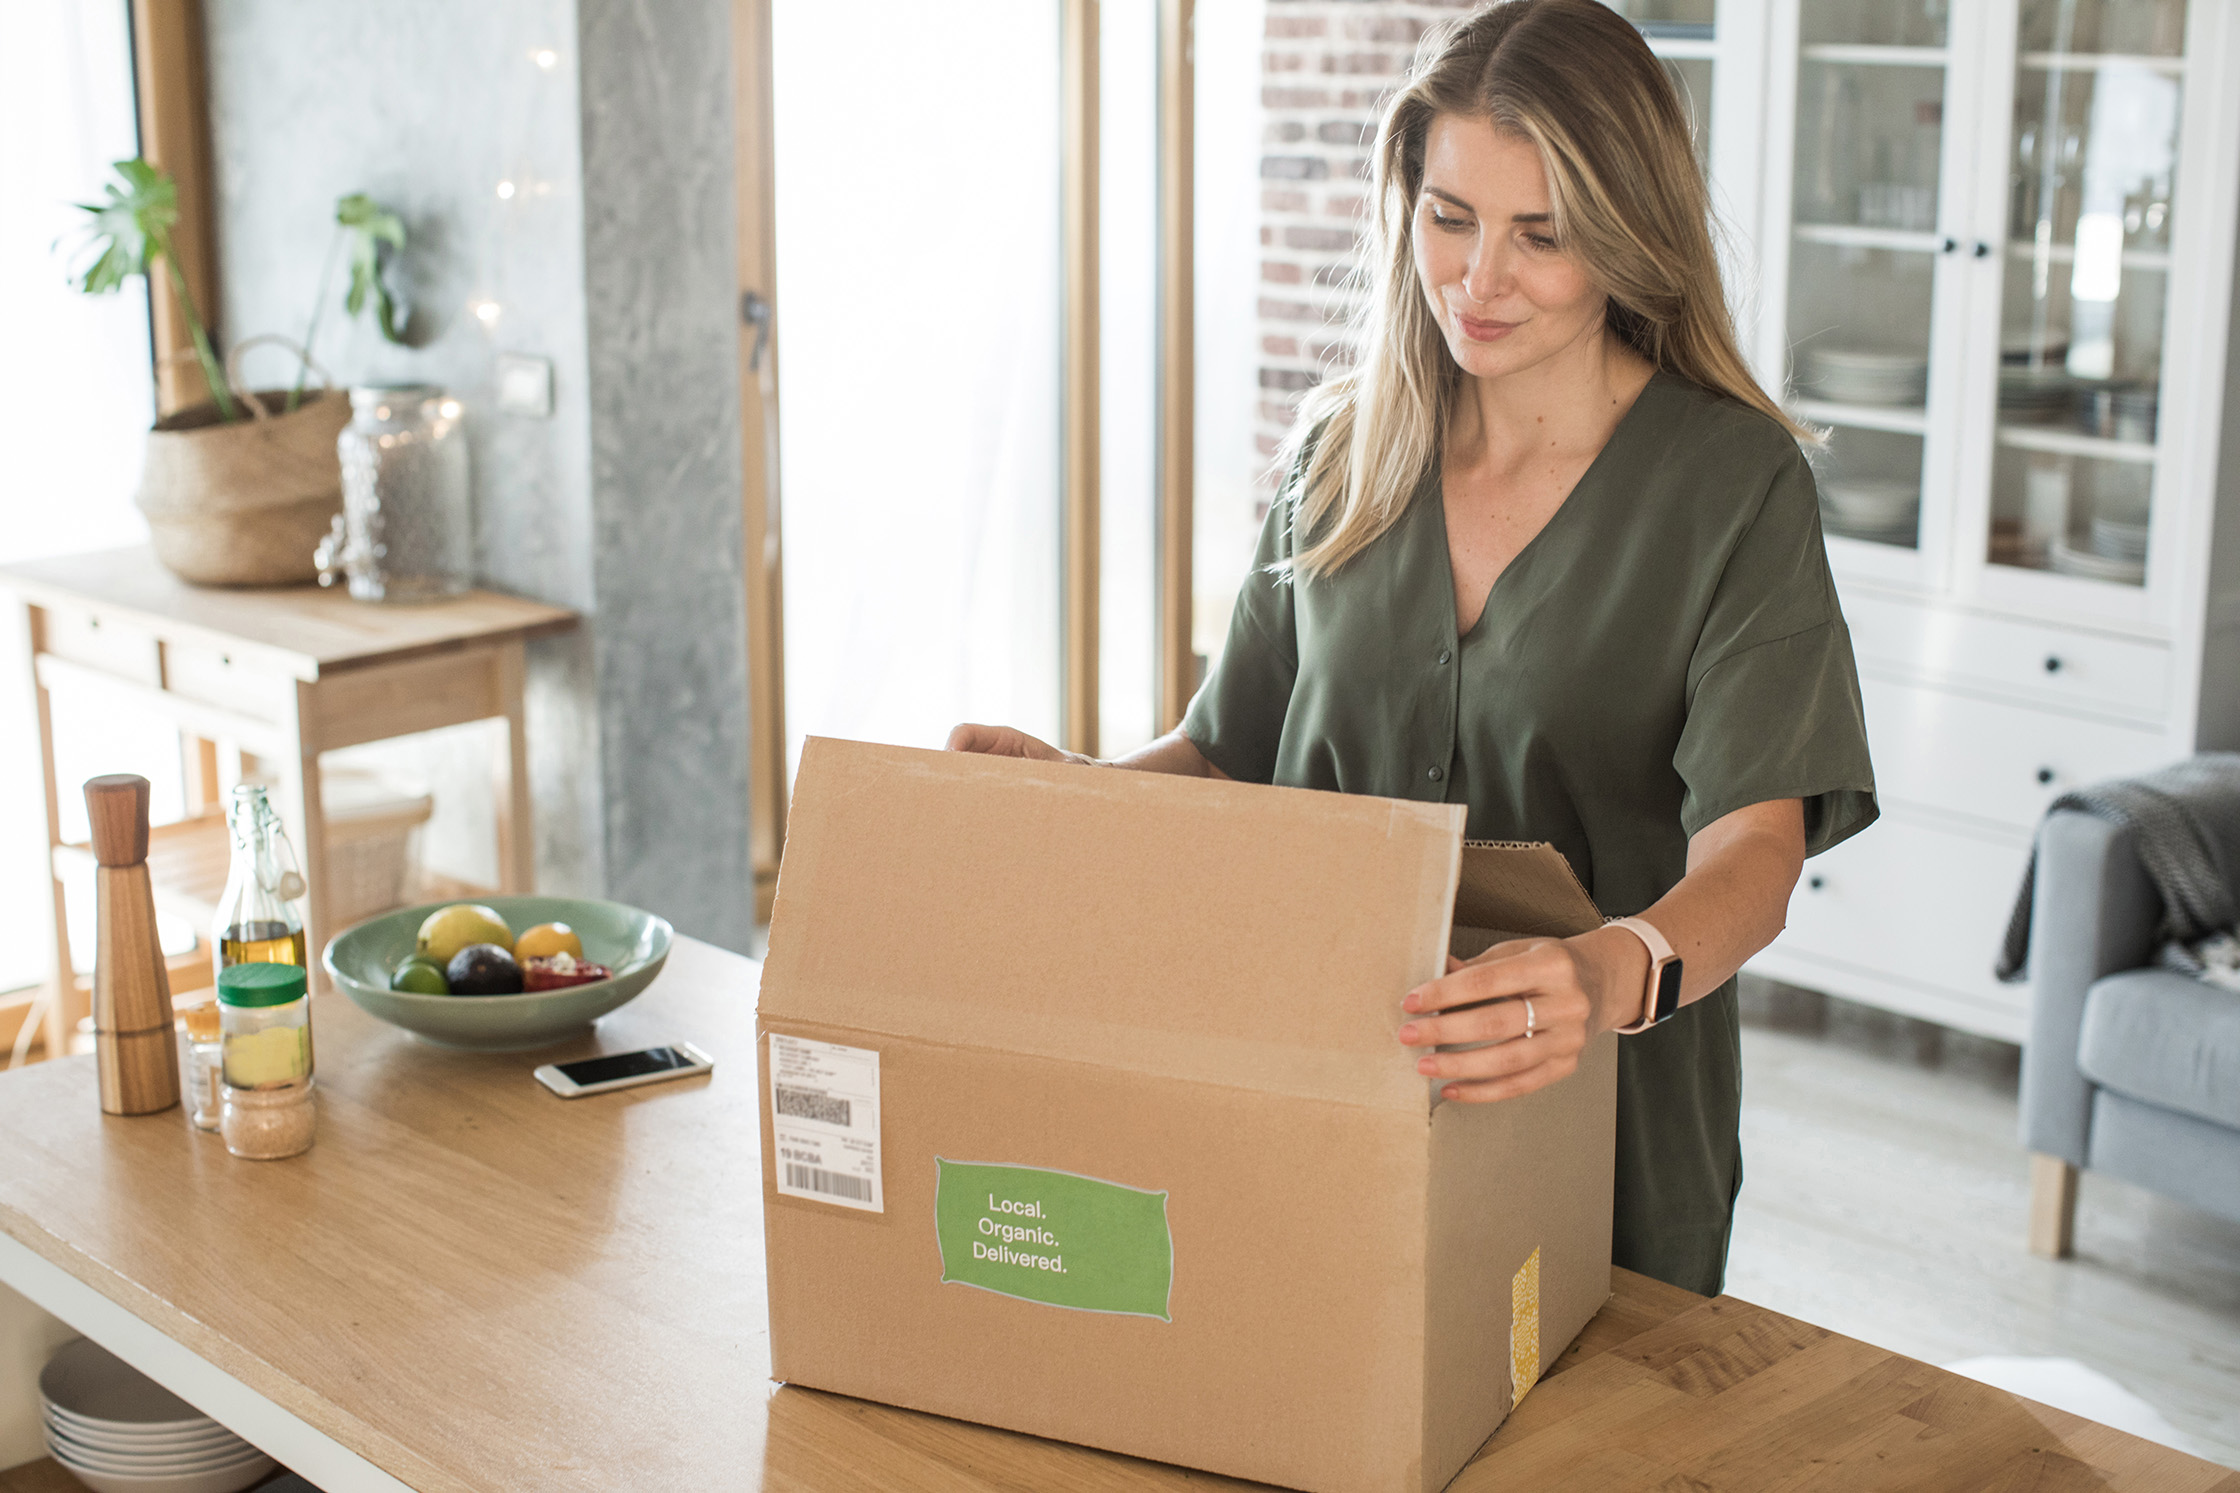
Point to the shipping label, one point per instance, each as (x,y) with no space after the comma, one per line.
(824,1122)
(1055,1237)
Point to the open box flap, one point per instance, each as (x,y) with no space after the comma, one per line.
(1224,932)
(1521,890)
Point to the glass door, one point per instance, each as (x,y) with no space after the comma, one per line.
(2091,165)
(1862,328)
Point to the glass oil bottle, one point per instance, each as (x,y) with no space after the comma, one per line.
(260,917)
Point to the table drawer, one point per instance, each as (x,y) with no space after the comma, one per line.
(113,648)
(217,678)
(2057,665)
(2006,763)
(1914,903)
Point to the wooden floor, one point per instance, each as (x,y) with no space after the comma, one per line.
(1884,1196)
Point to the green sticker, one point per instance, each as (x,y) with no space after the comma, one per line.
(1054,1237)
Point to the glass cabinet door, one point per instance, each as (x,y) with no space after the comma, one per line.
(1866,189)
(2092,154)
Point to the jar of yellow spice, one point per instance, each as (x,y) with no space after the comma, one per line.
(265,1017)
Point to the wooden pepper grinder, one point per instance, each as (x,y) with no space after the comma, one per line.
(135,1051)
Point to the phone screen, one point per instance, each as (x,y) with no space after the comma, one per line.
(616,1065)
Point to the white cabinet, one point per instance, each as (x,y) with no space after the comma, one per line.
(1995,261)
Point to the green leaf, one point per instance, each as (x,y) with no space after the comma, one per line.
(128,228)
(375,233)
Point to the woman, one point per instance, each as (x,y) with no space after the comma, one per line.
(1550,551)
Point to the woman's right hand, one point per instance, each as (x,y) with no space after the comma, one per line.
(1008,741)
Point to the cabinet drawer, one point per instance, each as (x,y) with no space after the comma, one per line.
(86,638)
(1913,903)
(2005,763)
(2053,664)
(217,678)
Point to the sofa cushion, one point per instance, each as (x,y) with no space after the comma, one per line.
(2165,1038)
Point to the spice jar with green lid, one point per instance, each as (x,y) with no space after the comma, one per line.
(264,1015)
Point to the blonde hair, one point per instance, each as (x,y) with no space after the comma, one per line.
(1576,81)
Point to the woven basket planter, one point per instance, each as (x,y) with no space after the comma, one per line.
(245,503)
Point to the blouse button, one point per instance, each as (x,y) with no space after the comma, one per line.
(1444,655)
(1436,773)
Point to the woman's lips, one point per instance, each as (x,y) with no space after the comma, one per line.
(1484,331)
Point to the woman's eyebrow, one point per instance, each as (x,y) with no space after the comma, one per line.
(1449,197)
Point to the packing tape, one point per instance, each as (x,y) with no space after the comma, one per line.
(1524,1328)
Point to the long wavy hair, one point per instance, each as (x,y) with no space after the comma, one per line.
(1577,82)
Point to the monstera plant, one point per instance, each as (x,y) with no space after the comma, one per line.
(240,490)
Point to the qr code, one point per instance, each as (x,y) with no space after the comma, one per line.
(808,1104)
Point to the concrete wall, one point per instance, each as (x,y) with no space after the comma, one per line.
(564,173)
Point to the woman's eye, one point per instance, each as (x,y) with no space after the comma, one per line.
(1441,220)
(1540,241)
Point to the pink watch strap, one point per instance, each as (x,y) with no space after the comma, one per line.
(1660,954)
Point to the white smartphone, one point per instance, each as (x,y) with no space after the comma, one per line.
(622,1070)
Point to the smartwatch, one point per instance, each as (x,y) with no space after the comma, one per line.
(1661,997)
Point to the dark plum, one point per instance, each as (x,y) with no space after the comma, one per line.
(484,969)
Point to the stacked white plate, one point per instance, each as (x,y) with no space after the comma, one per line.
(2113,539)
(1867,375)
(2092,567)
(1887,511)
(118,1431)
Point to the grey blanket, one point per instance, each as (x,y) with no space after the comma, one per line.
(2186,821)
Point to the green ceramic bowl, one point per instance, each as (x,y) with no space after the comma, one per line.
(633,944)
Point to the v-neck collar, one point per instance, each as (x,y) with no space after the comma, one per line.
(1436,482)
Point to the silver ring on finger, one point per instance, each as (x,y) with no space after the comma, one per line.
(1530,1024)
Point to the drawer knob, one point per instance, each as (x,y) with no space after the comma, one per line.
(2045,775)
(2053,663)
(1815,883)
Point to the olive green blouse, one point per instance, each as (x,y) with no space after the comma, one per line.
(1668,649)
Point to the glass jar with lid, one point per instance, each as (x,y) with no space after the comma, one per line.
(264,1013)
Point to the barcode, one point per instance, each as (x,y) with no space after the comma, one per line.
(808,1104)
(816,1179)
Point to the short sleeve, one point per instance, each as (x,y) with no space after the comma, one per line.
(1773,692)
(1236,719)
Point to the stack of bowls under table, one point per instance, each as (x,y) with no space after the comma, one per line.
(118,1431)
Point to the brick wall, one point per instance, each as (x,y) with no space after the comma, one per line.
(1327,68)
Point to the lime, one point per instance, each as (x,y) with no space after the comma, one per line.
(421,977)
(450,929)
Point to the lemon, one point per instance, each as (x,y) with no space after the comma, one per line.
(450,929)
(546,940)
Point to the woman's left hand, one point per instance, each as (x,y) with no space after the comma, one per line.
(1567,990)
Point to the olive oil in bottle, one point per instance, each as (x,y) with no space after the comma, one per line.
(266,942)
(260,917)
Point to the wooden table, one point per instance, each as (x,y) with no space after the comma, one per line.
(469,1284)
(282,674)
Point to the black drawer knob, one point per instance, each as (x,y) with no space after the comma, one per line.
(1815,883)
(2045,774)
(2053,663)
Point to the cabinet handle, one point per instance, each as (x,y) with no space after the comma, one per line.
(1815,883)
(2053,663)
(2045,775)
(1983,250)
(1951,245)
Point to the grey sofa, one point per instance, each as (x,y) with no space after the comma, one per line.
(2130,1069)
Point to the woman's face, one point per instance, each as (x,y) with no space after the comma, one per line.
(1505,297)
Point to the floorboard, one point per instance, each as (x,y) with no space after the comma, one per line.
(1885,1195)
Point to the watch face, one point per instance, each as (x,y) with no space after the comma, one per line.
(1668,989)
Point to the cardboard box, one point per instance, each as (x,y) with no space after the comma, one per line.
(1084,1116)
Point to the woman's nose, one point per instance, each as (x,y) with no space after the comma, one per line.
(1487,274)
